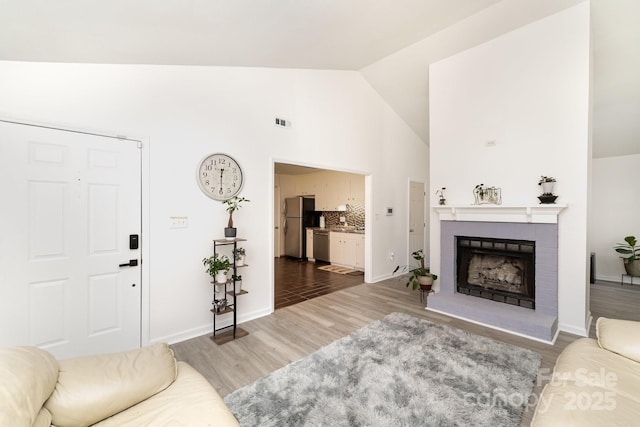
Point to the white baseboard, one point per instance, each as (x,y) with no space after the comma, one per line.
(575,330)
(223,321)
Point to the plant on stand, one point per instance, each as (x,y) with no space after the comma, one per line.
(420,276)
(238,280)
(218,267)
(233,204)
(632,261)
(239,254)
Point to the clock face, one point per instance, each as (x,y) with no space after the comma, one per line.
(219,176)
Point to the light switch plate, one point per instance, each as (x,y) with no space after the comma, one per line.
(178,222)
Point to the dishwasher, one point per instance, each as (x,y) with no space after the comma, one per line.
(321,245)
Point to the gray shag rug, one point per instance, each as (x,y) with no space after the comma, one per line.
(398,371)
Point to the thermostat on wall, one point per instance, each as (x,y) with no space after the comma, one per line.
(389,211)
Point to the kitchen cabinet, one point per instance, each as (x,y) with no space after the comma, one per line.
(347,249)
(356,190)
(305,185)
(331,189)
(359,239)
(310,244)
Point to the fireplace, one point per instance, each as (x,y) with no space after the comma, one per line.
(501,270)
(533,233)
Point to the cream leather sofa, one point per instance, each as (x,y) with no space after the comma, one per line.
(595,382)
(143,387)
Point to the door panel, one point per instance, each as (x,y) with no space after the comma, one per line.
(416,216)
(74,199)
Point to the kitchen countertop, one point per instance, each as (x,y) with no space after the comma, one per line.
(351,230)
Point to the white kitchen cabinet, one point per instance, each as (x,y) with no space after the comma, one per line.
(331,189)
(336,248)
(305,185)
(359,239)
(310,244)
(346,249)
(356,194)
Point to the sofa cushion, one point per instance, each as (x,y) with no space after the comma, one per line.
(93,388)
(29,376)
(584,406)
(584,363)
(189,401)
(619,336)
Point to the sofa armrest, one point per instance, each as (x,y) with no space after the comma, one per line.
(93,388)
(28,376)
(190,401)
(619,336)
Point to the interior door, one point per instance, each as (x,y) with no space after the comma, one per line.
(276,222)
(416,216)
(70,275)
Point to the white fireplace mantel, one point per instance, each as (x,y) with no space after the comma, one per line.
(543,213)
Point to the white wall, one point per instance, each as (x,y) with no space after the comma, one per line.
(528,91)
(339,122)
(615,208)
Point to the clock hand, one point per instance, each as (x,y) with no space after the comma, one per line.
(221,172)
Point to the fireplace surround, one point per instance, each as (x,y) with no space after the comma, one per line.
(535,224)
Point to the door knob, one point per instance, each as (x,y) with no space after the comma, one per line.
(131,263)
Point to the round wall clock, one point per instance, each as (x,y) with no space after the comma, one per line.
(219,176)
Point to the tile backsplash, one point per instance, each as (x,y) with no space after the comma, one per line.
(354,216)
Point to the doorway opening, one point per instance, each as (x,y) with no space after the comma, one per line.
(312,205)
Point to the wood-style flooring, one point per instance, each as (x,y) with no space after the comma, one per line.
(297,281)
(293,332)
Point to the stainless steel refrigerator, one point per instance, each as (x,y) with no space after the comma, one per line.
(299,213)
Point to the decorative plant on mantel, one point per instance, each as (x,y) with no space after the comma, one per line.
(546,182)
(419,277)
(632,261)
(233,204)
(440,193)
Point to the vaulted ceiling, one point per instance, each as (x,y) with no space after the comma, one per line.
(390,42)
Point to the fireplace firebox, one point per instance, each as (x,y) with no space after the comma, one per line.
(501,270)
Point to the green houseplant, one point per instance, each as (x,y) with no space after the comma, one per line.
(420,276)
(632,259)
(233,204)
(238,255)
(217,266)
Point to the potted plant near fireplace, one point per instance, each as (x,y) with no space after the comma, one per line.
(632,261)
(419,277)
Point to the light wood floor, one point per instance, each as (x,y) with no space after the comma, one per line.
(293,332)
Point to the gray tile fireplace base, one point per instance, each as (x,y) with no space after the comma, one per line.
(519,320)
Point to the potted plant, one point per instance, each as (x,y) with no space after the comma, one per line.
(239,254)
(546,182)
(238,280)
(440,193)
(632,261)
(217,266)
(419,277)
(233,204)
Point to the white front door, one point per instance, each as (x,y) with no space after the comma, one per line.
(70,203)
(416,216)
